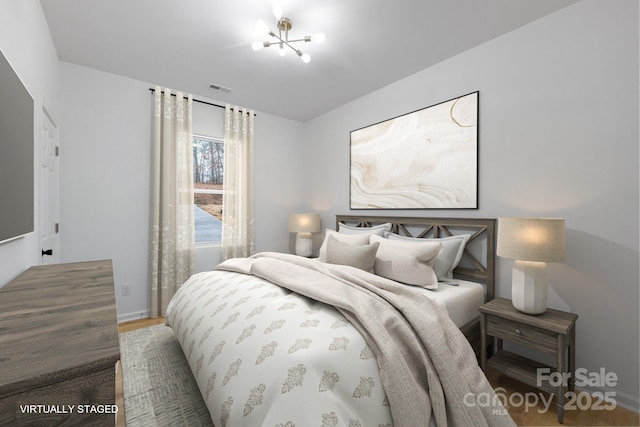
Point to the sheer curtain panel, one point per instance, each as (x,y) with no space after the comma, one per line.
(238,234)
(172,232)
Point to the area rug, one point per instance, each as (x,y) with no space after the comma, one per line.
(158,386)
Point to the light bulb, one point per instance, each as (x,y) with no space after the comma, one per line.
(257,45)
(305,58)
(277,12)
(262,26)
(318,38)
(282,51)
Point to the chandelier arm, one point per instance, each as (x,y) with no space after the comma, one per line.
(269,43)
(306,39)
(287,42)
(284,25)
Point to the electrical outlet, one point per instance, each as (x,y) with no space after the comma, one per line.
(126,290)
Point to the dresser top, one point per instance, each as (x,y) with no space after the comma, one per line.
(57,322)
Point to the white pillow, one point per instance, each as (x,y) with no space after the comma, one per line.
(352,229)
(351,239)
(449,258)
(358,256)
(407,262)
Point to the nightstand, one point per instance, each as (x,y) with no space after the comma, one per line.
(552,332)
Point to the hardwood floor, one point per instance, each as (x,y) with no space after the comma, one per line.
(538,416)
(531,416)
(139,324)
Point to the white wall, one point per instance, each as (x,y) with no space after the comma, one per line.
(558,138)
(27,44)
(105,178)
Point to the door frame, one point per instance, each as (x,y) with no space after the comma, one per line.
(49,190)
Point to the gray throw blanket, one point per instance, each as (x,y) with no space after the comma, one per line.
(428,369)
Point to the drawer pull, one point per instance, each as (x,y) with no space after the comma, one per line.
(518,331)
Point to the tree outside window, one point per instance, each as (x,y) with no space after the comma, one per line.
(208,187)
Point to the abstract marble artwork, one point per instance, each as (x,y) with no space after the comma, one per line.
(427,159)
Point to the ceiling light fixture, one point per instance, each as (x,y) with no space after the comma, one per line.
(282,38)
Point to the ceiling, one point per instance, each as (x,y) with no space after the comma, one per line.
(189,44)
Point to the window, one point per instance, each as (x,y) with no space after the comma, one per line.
(208,180)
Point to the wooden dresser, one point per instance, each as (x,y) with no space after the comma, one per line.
(59,346)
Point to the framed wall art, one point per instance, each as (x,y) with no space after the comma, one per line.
(427,159)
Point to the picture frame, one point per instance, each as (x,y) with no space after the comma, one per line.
(425,159)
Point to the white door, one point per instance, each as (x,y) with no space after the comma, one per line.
(49,210)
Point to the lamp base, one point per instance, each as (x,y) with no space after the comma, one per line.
(529,287)
(304,244)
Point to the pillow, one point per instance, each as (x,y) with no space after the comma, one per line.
(407,262)
(452,250)
(358,256)
(352,229)
(352,239)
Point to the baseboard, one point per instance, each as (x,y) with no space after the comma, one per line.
(622,399)
(627,401)
(136,315)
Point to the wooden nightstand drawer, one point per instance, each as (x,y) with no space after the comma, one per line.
(520,333)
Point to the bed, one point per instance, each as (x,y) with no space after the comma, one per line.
(475,271)
(281,340)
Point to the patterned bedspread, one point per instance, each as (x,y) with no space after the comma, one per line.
(265,356)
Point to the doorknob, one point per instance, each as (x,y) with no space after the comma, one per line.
(47,252)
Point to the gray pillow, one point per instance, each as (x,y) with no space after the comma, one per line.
(407,262)
(448,259)
(379,229)
(358,256)
(351,239)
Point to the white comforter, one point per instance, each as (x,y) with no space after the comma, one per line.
(263,355)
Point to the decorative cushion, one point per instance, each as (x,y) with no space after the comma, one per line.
(380,229)
(352,239)
(407,262)
(448,259)
(358,256)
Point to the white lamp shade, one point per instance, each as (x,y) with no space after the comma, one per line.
(262,26)
(304,222)
(531,239)
(277,12)
(318,38)
(531,242)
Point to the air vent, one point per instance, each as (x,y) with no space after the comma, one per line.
(220,88)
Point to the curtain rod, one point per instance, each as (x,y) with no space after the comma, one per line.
(201,102)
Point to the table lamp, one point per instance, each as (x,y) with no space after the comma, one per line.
(304,224)
(532,242)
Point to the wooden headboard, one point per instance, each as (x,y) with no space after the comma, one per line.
(477,265)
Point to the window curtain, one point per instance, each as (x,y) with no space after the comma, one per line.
(238,233)
(172,233)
